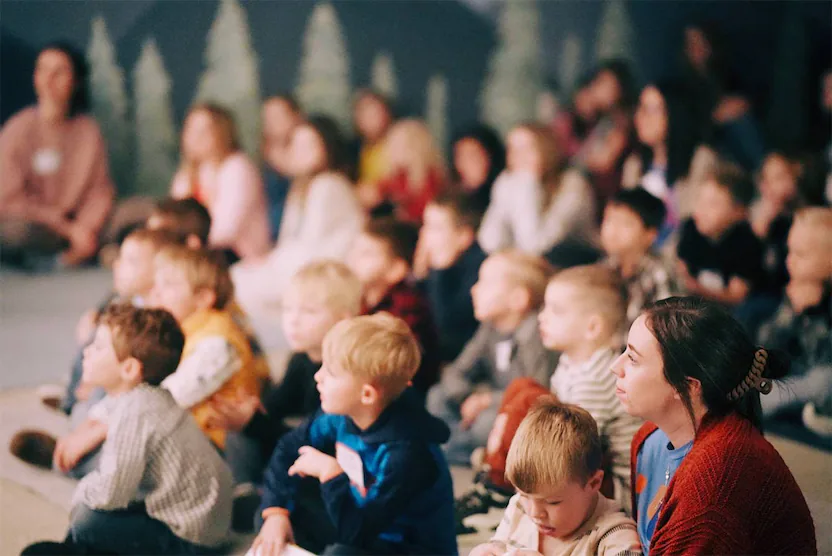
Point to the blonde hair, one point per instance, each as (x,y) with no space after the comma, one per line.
(602,292)
(379,349)
(204,270)
(819,220)
(530,272)
(424,155)
(332,282)
(551,162)
(555,444)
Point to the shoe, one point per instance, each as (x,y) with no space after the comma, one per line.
(244,506)
(34,447)
(818,419)
(52,396)
(480,500)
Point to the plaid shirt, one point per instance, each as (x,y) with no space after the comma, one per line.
(806,336)
(410,305)
(652,281)
(154,452)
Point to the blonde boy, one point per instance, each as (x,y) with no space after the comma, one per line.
(318,296)
(803,323)
(506,346)
(555,465)
(217,363)
(374,449)
(584,312)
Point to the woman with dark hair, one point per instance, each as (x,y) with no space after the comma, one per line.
(479,157)
(705,480)
(667,162)
(279,116)
(218,174)
(722,113)
(55,189)
(602,154)
(320,220)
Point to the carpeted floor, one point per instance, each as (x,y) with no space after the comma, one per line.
(37,323)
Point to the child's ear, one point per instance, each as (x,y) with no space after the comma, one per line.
(205,298)
(370,395)
(596,480)
(650,236)
(131,370)
(594,326)
(193,242)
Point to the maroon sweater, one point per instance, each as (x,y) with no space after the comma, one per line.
(732,494)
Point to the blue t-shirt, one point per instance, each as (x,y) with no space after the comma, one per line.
(656,464)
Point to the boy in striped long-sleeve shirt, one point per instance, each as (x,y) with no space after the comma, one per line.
(161,487)
(584,310)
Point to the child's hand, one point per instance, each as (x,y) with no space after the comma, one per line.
(68,452)
(473,406)
(313,463)
(86,326)
(488,549)
(233,415)
(275,534)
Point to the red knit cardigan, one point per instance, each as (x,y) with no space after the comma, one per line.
(732,494)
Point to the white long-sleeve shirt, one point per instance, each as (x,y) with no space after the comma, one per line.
(154,452)
(520,216)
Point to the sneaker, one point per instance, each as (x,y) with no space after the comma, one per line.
(52,396)
(480,500)
(34,447)
(244,506)
(818,419)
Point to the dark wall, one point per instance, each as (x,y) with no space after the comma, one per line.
(423,36)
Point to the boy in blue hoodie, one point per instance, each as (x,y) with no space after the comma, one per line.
(374,450)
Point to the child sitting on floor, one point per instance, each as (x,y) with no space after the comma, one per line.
(161,487)
(555,465)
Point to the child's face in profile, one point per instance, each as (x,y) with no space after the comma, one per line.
(559,511)
(472,163)
(624,232)
(522,152)
(778,180)
(716,210)
(100,365)
(493,291)
(444,239)
(306,319)
(341,392)
(809,260)
(370,260)
(173,292)
(133,268)
(564,323)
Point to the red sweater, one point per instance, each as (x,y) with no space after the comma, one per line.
(732,494)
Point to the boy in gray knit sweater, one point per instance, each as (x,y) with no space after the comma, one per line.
(161,487)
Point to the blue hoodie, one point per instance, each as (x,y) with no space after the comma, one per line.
(405,504)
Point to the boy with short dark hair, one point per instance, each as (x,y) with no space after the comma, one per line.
(632,221)
(451,258)
(382,258)
(161,487)
(187,218)
(721,258)
(384,482)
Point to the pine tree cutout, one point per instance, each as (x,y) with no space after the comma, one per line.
(515,72)
(569,65)
(436,109)
(231,77)
(155,132)
(383,76)
(324,80)
(615,33)
(109,103)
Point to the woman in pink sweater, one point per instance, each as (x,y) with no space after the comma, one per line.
(55,189)
(219,175)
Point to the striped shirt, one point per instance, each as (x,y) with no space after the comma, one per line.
(591,385)
(155,453)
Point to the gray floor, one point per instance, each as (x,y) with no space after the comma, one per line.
(37,323)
